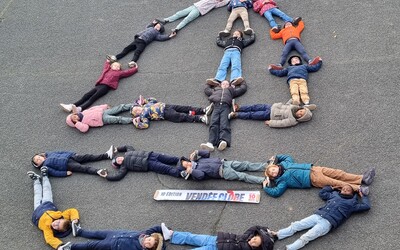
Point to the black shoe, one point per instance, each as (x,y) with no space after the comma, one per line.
(296,20)
(76,228)
(44,170)
(33,175)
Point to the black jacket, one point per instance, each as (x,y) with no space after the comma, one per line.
(220,95)
(228,241)
(236,42)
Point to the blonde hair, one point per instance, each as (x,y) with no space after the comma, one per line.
(120,65)
(267,169)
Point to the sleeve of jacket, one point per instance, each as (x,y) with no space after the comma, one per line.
(277,72)
(56,173)
(125,148)
(222,3)
(281,157)
(51,239)
(161,37)
(143,123)
(314,68)
(249,41)
(364,205)
(275,36)
(249,4)
(204,153)
(221,42)
(117,175)
(240,90)
(106,65)
(197,175)
(83,127)
(229,8)
(208,90)
(326,193)
(300,26)
(276,191)
(71,214)
(128,72)
(284,123)
(154,229)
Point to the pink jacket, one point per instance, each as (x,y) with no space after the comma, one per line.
(261,8)
(111,77)
(92,117)
(205,6)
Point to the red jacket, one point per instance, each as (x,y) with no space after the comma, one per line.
(261,8)
(287,33)
(111,77)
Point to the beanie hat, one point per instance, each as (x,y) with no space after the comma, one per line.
(160,240)
(306,117)
(114,163)
(290,60)
(69,121)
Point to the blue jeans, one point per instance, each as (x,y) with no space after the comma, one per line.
(204,242)
(319,227)
(105,239)
(161,163)
(110,118)
(260,112)
(190,14)
(276,12)
(231,57)
(41,192)
(290,45)
(232,170)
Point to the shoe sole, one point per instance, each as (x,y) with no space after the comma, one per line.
(222,146)
(65,109)
(205,147)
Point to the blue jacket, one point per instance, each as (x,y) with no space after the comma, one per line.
(297,71)
(236,3)
(295,175)
(206,167)
(57,162)
(337,209)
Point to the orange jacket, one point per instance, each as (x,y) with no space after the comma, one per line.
(287,33)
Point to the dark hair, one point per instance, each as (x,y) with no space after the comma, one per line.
(162,29)
(241,33)
(290,60)
(34,164)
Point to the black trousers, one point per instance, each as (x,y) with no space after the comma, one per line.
(75,163)
(220,128)
(138,45)
(178,113)
(90,97)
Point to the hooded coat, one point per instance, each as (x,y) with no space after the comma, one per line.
(228,241)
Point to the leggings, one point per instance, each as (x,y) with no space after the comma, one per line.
(90,97)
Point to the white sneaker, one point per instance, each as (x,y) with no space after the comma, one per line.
(204,119)
(222,145)
(132,64)
(209,109)
(66,107)
(207,146)
(165,231)
(110,152)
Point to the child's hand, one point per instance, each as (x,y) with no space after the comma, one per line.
(69,173)
(267,122)
(172,34)
(266,182)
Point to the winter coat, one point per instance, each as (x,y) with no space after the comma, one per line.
(228,241)
(111,77)
(92,117)
(57,162)
(337,209)
(287,33)
(236,42)
(261,8)
(150,34)
(237,3)
(220,95)
(299,71)
(295,175)
(134,160)
(282,115)
(205,167)
(205,6)
(45,214)
(152,110)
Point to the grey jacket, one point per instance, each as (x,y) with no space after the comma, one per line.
(282,115)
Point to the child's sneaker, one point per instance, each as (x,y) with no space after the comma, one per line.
(74,109)
(368,176)
(275,29)
(76,228)
(165,231)
(311,106)
(238,81)
(111,58)
(213,82)
(296,20)
(111,152)
(224,33)
(132,64)
(232,115)
(66,246)
(275,66)
(222,145)
(207,146)
(314,61)
(209,109)
(248,31)
(44,170)
(66,107)
(204,119)
(33,175)
(102,172)
(364,190)
(185,175)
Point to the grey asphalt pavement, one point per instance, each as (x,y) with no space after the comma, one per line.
(53,51)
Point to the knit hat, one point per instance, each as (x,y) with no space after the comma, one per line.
(290,60)
(114,163)
(306,117)
(69,121)
(160,240)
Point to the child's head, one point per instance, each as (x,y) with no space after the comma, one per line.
(72,119)
(117,162)
(158,26)
(153,242)
(136,111)
(303,115)
(61,225)
(272,171)
(237,33)
(294,60)
(38,159)
(288,24)
(225,84)
(255,241)
(347,190)
(75,118)
(116,66)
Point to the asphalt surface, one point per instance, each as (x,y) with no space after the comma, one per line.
(53,51)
